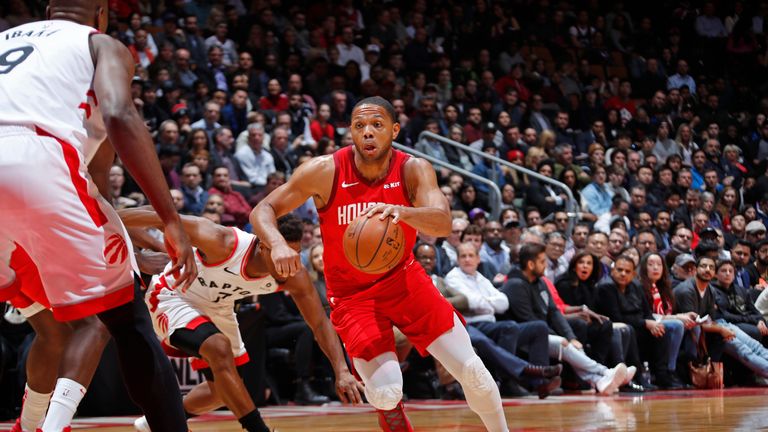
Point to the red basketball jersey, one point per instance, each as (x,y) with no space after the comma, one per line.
(351,196)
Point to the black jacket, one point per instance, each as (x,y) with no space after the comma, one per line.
(532,301)
(687,299)
(630,307)
(734,305)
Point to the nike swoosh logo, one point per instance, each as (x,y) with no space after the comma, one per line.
(226,269)
(346,185)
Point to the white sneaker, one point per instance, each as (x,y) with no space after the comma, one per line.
(141,424)
(631,370)
(612,379)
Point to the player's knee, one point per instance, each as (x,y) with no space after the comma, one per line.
(386,397)
(91,332)
(217,351)
(475,377)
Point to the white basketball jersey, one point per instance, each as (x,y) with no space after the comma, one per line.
(46,81)
(223,283)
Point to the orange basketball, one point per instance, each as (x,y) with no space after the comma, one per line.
(373,245)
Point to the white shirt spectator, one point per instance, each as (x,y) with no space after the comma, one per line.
(350,52)
(256,166)
(484,300)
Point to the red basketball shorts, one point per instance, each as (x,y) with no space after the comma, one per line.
(410,302)
(51,208)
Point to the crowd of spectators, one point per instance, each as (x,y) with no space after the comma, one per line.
(654,117)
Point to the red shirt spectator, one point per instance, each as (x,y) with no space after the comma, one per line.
(275,99)
(236,208)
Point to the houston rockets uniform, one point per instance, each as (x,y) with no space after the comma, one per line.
(50,126)
(364,307)
(211,298)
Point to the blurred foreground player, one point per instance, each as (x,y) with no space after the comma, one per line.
(201,322)
(50,206)
(370,178)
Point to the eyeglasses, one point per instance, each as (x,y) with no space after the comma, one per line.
(561,220)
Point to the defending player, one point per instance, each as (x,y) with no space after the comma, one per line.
(201,322)
(370,178)
(56,76)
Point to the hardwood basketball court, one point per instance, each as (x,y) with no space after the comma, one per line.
(712,410)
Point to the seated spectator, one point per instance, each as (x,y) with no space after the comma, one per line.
(530,300)
(255,161)
(557,265)
(236,208)
(623,301)
(275,100)
(595,197)
(576,287)
(695,295)
(210,121)
(483,303)
(734,304)
(195,196)
(545,197)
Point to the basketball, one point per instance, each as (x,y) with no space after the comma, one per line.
(373,245)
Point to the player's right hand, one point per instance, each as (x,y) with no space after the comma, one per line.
(179,249)
(286,260)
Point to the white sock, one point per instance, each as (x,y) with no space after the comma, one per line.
(33,409)
(66,398)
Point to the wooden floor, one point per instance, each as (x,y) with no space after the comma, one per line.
(726,410)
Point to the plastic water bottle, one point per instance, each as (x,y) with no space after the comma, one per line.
(646,374)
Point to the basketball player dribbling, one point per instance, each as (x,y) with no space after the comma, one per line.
(201,322)
(64,87)
(370,178)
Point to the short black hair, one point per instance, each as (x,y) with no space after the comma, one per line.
(529,252)
(291,228)
(742,242)
(379,101)
(706,247)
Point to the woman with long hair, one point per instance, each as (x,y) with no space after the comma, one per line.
(197,140)
(655,279)
(576,287)
(728,206)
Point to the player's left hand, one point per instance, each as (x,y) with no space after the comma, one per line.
(348,388)
(386,211)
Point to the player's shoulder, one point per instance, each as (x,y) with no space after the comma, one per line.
(105,45)
(316,168)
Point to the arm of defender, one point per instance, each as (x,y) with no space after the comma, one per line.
(308,301)
(131,140)
(310,179)
(430,213)
(214,241)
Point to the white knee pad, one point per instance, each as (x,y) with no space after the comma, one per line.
(384,398)
(475,377)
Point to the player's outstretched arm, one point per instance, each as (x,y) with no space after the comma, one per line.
(131,140)
(430,213)
(214,241)
(308,301)
(312,179)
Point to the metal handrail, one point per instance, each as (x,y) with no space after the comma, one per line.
(570,206)
(494,204)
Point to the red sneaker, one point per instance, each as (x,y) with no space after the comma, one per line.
(17,426)
(394,420)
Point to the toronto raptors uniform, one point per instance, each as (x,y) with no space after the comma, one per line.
(210,298)
(364,307)
(50,126)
